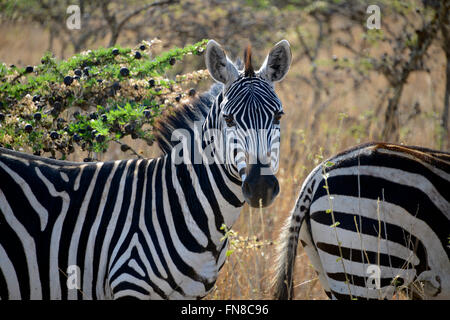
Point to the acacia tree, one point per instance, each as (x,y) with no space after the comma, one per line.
(92,99)
(416,27)
(402,46)
(235,22)
(408,30)
(445,33)
(99,19)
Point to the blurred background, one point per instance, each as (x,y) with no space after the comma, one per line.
(362,71)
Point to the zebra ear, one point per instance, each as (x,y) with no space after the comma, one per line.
(219,66)
(277,63)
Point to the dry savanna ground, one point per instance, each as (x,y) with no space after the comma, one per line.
(351,116)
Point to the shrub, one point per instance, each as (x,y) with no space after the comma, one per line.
(90,99)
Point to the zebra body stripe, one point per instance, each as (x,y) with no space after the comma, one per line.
(110,240)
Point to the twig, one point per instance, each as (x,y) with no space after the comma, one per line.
(129,148)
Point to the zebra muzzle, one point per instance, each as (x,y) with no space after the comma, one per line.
(259,189)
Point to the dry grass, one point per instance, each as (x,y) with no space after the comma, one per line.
(350,119)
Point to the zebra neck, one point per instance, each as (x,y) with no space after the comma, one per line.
(212,142)
(205,194)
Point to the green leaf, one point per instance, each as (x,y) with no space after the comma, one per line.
(334,225)
(229,252)
(329,164)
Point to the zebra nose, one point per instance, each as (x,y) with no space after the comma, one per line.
(259,189)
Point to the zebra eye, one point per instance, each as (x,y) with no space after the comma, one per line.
(229,120)
(277,117)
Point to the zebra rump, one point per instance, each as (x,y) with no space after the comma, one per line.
(373,220)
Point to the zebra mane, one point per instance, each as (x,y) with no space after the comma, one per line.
(249,71)
(438,159)
(183,117)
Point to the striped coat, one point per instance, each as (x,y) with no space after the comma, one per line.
(142,228)
(147,228)
(389,211)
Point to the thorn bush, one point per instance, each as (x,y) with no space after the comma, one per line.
(90,99)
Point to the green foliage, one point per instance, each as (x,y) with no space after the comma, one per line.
(374,36)
(90,99)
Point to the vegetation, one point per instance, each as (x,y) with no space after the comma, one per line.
(91,99)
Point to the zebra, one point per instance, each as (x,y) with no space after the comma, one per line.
(145,228)
(373,220)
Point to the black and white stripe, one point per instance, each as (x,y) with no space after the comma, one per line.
(142,228)
(253,104)
(392,204)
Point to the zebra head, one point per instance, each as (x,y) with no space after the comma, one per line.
(248,115)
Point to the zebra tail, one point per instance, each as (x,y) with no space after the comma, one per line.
(282,284)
